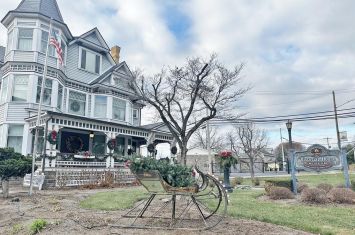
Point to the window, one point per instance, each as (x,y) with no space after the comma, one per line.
(46,99)
(135,114)
(20,88)
(60,96)
(44,41)
(3,91)
(119,109)
(90,61)
(25,37)
(100,106)
(14,137)
(77,102)
(9,40)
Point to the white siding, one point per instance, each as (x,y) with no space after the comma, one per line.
(2,113)
(16,112)
(26,56)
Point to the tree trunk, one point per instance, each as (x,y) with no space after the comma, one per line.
(183,155)
(252,173)
(5,188)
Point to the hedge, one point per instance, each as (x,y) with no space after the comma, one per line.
(286,183)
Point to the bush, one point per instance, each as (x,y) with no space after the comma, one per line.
(37,226)
(301,187)
(236,181)
(256,182)
(353,185)
(314,195)
(277,193)
(326,187)
(175,175)
(342,195)
(278,183)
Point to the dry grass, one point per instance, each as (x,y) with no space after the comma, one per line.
(314,195)
(277,193)
(342,195)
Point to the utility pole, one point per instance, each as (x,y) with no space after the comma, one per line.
(283,153)
(336,121)
(342,153)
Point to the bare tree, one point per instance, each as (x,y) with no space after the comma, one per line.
(252,141)
(286,146)
(217,142)
(181,96)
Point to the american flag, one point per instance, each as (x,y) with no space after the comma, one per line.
(55,41)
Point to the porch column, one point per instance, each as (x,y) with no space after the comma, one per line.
(150,140)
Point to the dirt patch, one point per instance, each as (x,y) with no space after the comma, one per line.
(60,208)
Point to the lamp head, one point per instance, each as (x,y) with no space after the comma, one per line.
(289,125)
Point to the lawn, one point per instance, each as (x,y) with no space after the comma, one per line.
(329,219)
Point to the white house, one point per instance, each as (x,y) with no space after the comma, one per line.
(87,100)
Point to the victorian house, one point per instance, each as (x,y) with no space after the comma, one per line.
(87,99)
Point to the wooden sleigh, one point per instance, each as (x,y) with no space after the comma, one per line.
(198,207)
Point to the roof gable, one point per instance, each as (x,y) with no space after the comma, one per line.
(94,36)
(45,7)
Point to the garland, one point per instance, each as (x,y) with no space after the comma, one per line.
(52,137)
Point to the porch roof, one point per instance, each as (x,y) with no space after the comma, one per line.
(91,124)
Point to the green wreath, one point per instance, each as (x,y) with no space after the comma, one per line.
(52,137)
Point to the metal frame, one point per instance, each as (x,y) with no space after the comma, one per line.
(201,209)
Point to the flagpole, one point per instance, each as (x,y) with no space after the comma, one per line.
(34,152)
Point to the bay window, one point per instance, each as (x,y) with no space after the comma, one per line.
(90,61)
(20,88)
(119,109)
(77,103)
(47,93)
(100,106)
(3,90)
(14,137)
(25,37)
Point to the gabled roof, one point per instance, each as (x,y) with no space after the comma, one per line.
(93,34)
(45,7)
(159,126)
(109,71)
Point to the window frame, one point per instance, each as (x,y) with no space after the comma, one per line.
(14,87)
(51,49)
(20,136)
(125,109)
(45,88)
(85,103)
(18,38)
(93,52)
(3,97)
(105,115)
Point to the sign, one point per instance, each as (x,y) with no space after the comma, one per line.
(318,158)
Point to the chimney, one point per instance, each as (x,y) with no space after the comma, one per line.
(115,52)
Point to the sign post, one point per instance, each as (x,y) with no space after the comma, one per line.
(293,171)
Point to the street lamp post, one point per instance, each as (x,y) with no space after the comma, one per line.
(289,128)
(291,155)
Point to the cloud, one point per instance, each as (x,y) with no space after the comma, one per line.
(296,51)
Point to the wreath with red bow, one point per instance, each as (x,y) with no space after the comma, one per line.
(52,137)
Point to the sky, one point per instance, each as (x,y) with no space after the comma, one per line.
(295,51)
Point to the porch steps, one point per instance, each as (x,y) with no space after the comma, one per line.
(49,180)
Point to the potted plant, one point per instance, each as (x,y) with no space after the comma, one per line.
(226,160)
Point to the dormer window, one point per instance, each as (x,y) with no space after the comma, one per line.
(90,61)
(25,37)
